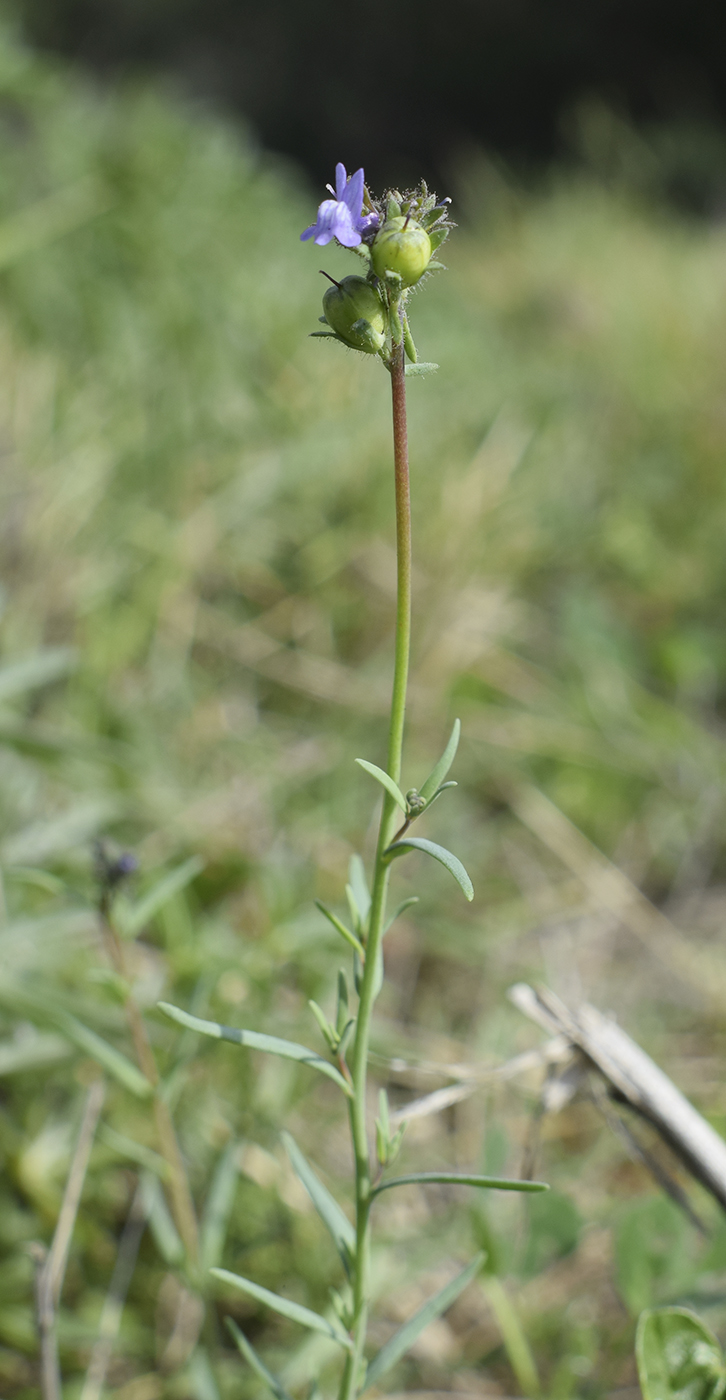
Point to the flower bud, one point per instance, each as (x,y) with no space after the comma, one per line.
(354,310)
(401,246)
(415,802)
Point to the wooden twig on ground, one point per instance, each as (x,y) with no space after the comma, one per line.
(635,1079)
(51,1264)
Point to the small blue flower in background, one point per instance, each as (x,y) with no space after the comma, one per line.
(342,217)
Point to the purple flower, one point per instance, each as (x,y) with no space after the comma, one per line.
(342,217)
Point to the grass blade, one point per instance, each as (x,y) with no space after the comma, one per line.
(218,1207)
(295,1311)
(484,1183)
(257,1364)
(386,781)
(141,913)
(104,1054)
(438,773)
(440,853)
(254,1040)
(327,1207)
(404,1338)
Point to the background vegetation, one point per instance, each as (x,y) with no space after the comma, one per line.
(195,531)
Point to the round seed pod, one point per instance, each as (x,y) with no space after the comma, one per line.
(354,310)
(403,247)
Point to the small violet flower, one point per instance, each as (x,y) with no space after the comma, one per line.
(342,217)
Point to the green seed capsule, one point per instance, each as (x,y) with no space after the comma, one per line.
(354,310)
(401,246)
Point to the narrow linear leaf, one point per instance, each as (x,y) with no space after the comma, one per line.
(359,888)
(422,367)
(253,1040)
(341,929)
(218,1206)
(133,1151)
(444,788)
(403,1340)
(166,1235)
(386,781)
(440,853)
(141,913)
(438,773)
(327,1031)
(485,1183)
(257,1364)
(327,1207)
(406,904)
(295,1311)
(202,1381)
(104,1054)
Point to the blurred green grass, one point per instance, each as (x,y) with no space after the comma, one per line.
(196,544)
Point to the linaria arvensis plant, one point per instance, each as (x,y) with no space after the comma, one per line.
(395,239)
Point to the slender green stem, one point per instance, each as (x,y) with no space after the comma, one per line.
(369,989)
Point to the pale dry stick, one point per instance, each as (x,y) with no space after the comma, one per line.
(638,1152)
(610,887)
(181,1201)
(636,1079)
(51,1266)
(113,1306)
(554,1052)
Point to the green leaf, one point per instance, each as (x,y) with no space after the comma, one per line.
(359,886)
(166,1236)
(253,1040)
(405,904)
(141,913)
(104,1054)
(256,1362)
(218,1206)
(295,1311)
(438,773)
(328,1032)
(345,1036)
(485,1183)
(386,781)
(422,367)
(444,787)
(437,237)
(327,1207)
(132,1151)
(342,1016)
(404,1338)
(202,1382)
(452,863)
(678,1357)
(341,929)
